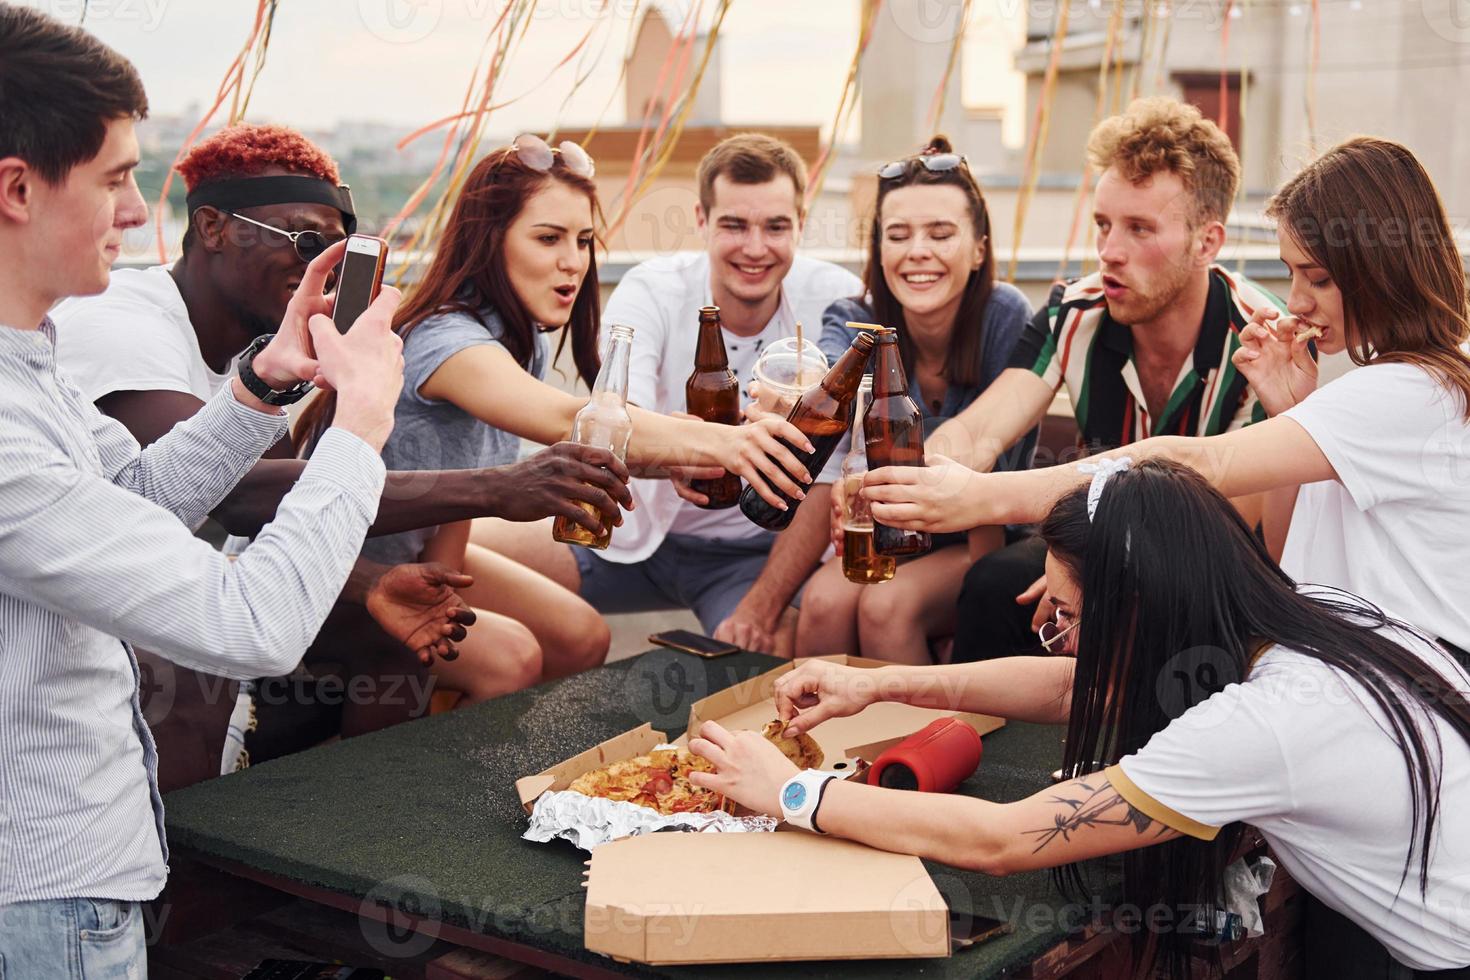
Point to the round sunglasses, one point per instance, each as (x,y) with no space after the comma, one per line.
(308,244)
(1053,634)
(539,155)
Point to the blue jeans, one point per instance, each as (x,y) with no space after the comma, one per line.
(73,939)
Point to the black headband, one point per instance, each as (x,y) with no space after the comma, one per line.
(251,192)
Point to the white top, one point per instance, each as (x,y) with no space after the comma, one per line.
(1300,752)
(661,298)
(135,336)
(1395,525)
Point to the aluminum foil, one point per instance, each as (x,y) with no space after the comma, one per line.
(589,821)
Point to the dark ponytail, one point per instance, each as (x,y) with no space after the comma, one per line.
(1178,595)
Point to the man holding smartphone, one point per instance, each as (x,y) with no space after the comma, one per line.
(262,200)
(95,545)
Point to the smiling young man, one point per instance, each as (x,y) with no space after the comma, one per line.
(96,552)
(1143,346)
(735,576)
(261,201)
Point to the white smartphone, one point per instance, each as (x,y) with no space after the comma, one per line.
(358,278)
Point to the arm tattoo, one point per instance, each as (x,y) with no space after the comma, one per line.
(1101,807)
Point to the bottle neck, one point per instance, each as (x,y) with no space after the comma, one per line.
(843,379)
(710,354)
(612,378)
(888,375)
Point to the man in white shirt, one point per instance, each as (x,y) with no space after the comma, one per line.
(736,577)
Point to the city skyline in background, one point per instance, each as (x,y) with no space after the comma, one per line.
(408,62)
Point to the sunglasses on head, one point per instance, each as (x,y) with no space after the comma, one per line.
(935,163)
(540,156)
(308,244)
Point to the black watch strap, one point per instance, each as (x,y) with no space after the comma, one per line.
(258,387)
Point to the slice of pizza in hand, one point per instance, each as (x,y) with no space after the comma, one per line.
(802,750)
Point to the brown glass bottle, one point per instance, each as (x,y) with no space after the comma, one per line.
(713,393)
(823,414)
(893,432)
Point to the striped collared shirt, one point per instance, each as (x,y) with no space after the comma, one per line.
(96,554)
(1075,342)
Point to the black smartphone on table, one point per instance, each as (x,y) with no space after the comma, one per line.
(695,643)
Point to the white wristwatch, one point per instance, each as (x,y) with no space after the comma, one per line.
(801,795)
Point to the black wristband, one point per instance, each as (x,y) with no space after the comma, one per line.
(256,385)
(821,795)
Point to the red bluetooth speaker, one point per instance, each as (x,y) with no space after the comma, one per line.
(935,759)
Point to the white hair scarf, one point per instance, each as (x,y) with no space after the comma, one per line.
(1102,471)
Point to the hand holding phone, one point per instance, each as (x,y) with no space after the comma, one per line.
(359,278)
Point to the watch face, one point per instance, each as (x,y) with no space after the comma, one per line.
(793,796)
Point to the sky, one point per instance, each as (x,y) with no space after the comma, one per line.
(409,61)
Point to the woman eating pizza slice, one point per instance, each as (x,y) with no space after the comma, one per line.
(1340,734)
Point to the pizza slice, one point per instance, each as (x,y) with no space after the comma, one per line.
(801,750)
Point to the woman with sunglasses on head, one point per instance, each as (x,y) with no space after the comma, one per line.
(516,261)
(931,276)
(1366,475)
(1341,735)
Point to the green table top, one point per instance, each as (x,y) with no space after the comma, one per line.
(425,816)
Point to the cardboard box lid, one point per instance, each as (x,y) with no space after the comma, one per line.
(628,745)
(749,706)
(739,898)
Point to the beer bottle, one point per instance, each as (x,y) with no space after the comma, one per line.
(713,393)
(603,422)
(823,414)
(860,563)
(893,434)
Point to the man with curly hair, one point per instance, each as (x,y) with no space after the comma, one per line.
(260,199)
(1142,346)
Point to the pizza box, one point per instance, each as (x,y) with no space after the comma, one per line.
(750,705)
(628,745)
(844,741)
(670,899)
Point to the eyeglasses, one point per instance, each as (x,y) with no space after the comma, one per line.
(537,154)
(308,244)
(1053,634)
(935,163)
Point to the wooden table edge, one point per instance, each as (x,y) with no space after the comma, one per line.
(521,953)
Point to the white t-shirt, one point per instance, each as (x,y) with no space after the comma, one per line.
(1395,525)
(1301,753)
(135,336)
(661,298)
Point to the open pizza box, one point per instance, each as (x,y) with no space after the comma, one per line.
(845,742)
(671,898)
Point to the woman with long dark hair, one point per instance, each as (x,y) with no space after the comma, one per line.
(930,276)
(1367,475)
(1207,691)
(516,260)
